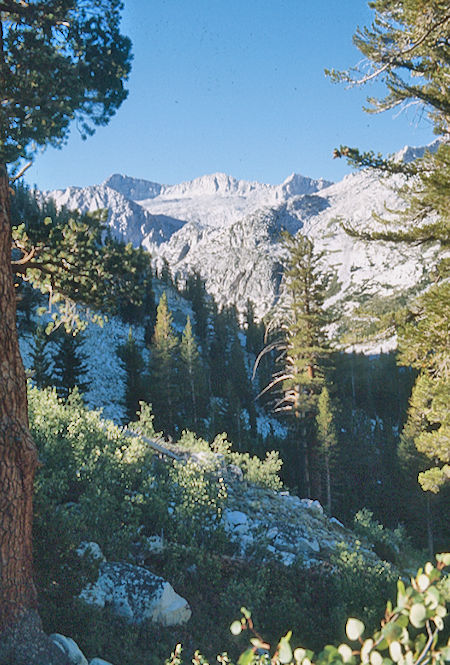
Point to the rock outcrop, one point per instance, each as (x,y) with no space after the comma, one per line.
(137,595)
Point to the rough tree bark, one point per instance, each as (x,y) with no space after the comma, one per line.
(21,636)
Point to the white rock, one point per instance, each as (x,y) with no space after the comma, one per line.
(154,544)
(137,595)
(308,545)
(234,518)
(272,533)
(334,520)
(99,661)
(313,506)
(287,558)
(91,548)
(235,472)
(69,649)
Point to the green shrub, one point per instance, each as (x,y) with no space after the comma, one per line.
(387,543)
(408,635)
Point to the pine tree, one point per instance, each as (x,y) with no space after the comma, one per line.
(218,351)
(196,292)
(133,364)
(407,48)
(240,384)
(424,345)
(327,439)
(80,44)
(69,363)
(192,378)
(163,382)
(254,332)
(302,347)
(40,362)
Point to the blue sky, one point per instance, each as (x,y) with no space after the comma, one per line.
(236,86)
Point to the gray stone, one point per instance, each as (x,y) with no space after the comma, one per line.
(153,544)
(235,473)
(335,521)
(287,558)
(136,594)
(272,533)
(69,648)
(307,545)
(234,518)
(313,506)
(91,548)
(99,661)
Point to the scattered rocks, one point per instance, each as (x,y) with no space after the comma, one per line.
(287,527)
(69,648)
(136,594)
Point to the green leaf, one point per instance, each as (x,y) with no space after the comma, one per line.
(346,652)
(285,651)
(354,629)
(417,615)
(395,651)
(236,628)
(391,632)
(444,558)
(246,658)
(299,655)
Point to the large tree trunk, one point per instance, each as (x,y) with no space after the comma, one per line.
(18,456)
(19,621)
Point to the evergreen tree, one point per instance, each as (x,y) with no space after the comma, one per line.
(240,385)
(303,348)
(425,345)
(165,274)
(69,363)
(218,351)
(254,332)
(327,439)
(59,61)
(407,47)
(192,379)
(163,383)
(40,362)
(196,293)
(133,364)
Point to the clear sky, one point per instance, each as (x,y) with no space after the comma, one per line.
(236,86)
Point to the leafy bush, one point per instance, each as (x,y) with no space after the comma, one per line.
(255,470)
(387,543)
(198,500)
(408,635)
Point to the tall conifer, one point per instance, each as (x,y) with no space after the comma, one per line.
(70,363)
(133,363)
(163,382)
(40,362)
(192,379)
(327,439)
(302,349)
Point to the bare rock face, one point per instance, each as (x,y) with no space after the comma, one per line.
(137,595)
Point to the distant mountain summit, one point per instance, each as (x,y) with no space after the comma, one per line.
(229,231)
